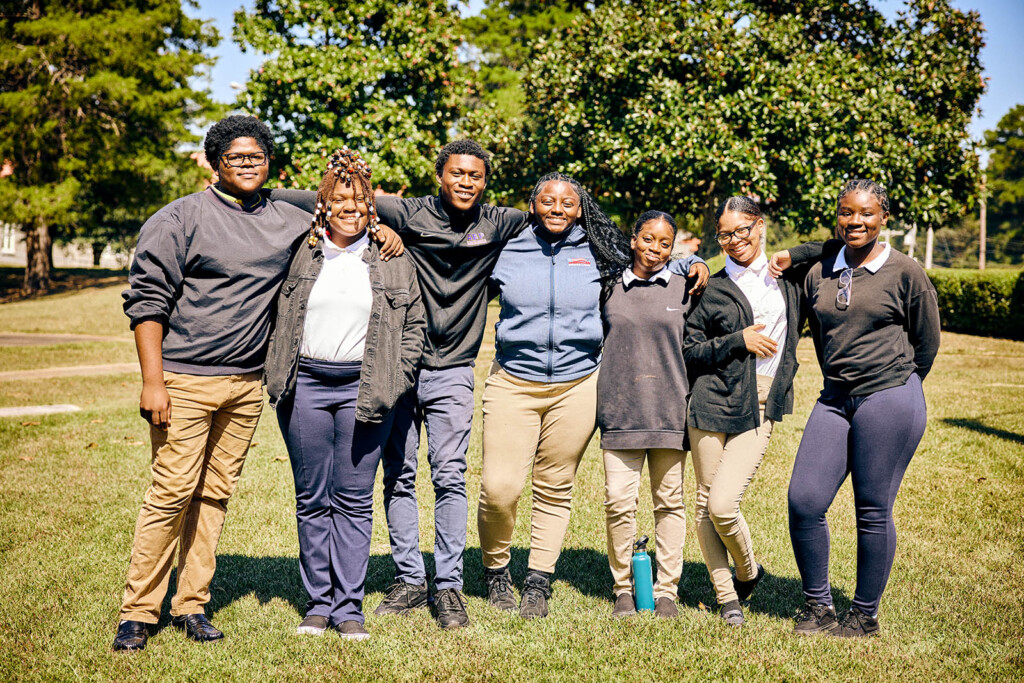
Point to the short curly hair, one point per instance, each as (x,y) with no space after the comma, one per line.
(466,146)
(230,128)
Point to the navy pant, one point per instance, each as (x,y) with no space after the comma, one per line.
(443,399)
(871,438)
(334,459)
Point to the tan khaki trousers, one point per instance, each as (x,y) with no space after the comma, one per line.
(539,427)
(724,465)
(196,464)
(622,471)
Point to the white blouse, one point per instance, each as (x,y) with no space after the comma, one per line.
(338,310)
(766,301)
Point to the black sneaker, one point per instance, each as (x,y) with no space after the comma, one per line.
(732,613)
(499,589)
(536,591)
(745,588)
(313,625)
(450,608)
(813,618)
(856,624)
(403,598)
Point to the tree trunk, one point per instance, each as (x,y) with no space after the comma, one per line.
(97,253)
(39,261)
(708,245)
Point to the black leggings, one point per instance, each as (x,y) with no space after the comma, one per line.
(871,438)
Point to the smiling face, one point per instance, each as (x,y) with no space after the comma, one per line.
(859,219)
(652,247)
(246,180)
(463,181)
(349,212)
(556,206)
(742,250)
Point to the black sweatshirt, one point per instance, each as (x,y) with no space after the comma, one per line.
(453,266)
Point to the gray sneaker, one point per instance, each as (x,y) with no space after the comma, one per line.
(499,589)
(732,613)
(351,630)
(536,591)
(313,626)
(403,598)
(624,606)
(450,608)
(813,618)
(665,608)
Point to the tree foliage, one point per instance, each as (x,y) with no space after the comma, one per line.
(1005,180)
(382,76)
(95,99)
(673,105)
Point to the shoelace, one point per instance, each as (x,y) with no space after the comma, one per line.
(499,584)
(396,592)
(449,599)
(808,612)
(852,621)
(532,596)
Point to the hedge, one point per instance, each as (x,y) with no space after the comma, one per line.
(985,302)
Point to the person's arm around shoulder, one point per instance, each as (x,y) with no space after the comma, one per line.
(923,324)
(414,331)
(692,267)
(806,254)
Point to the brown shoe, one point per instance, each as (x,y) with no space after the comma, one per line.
(666,608)
(624,606)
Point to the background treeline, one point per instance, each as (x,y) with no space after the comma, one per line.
(651,104)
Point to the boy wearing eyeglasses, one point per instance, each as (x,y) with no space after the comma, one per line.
(206,270)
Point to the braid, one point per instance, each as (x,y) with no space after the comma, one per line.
(344,165)
(865,185)
(609,243)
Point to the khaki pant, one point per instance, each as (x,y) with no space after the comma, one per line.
(196,464)
(622,482)
(724,464)
(539,427)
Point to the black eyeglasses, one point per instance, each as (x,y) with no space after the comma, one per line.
(238,160)
(845,293)
(743,233)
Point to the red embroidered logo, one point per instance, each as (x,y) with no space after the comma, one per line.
(579,262)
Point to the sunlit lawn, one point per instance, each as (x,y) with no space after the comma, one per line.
(72,485)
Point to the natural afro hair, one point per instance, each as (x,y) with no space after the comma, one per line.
(230,128)
(466,146)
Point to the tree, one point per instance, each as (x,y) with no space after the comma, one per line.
(1005,176)
(673,105)
(382,76)
(95,100)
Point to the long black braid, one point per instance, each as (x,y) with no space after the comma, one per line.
(609,244)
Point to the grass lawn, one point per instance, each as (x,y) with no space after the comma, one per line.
(72,485)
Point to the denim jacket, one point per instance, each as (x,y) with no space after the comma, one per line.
(394,337)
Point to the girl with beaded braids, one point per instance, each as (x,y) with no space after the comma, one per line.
(347,341)
(540,400)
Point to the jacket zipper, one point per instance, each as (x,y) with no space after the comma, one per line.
(551,315)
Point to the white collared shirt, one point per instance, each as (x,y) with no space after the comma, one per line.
(767,303)
(873,265)
(338,310)
(629,277)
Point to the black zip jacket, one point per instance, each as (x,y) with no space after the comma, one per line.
(722,371)
(453,263)
(394,337)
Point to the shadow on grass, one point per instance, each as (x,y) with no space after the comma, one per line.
(976,426)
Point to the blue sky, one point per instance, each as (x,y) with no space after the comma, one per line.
(1001,56)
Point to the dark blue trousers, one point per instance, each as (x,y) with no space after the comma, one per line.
(872,439)
(334,460)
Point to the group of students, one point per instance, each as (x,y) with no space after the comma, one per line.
(363,317)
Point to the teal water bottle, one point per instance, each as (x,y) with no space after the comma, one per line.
(643,581)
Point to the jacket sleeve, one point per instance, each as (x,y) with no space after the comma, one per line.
(304,199)
(158,268)
(707,354)
(810,253)
(413,332)
(923,325)
(682,266)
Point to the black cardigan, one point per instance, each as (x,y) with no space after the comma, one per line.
(723,374)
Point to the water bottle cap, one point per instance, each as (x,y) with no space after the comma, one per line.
(641,544)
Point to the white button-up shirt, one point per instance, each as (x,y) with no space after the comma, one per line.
(767,303)
(338,310)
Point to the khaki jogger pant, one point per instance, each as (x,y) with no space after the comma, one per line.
(195,464)
(622,469)
(724,465)
(538,426)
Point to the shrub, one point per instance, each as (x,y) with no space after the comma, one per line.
(987,302)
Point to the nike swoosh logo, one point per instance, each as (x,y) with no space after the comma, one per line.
(672,309)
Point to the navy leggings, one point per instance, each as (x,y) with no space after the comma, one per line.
(334,459)
(871,438)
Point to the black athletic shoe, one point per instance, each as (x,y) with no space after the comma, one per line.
(450,608)
(536,591)
(499,589)
(813,618)
(732,613)
(745,588)
(197,627)
(856,624)
(131,636)
(403,598)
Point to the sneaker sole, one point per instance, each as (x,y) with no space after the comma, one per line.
(354,636)
(309,631)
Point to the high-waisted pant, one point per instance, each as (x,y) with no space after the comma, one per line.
(334,460)
(871,438)
(724,465)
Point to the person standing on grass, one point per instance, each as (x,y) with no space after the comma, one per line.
(740,351)
(540,400)
(875,323)
(206,271)
(345,347)
(641,409)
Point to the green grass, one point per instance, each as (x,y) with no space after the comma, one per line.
(72,485)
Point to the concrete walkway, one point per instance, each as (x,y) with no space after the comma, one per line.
(71,371)
(33,339)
